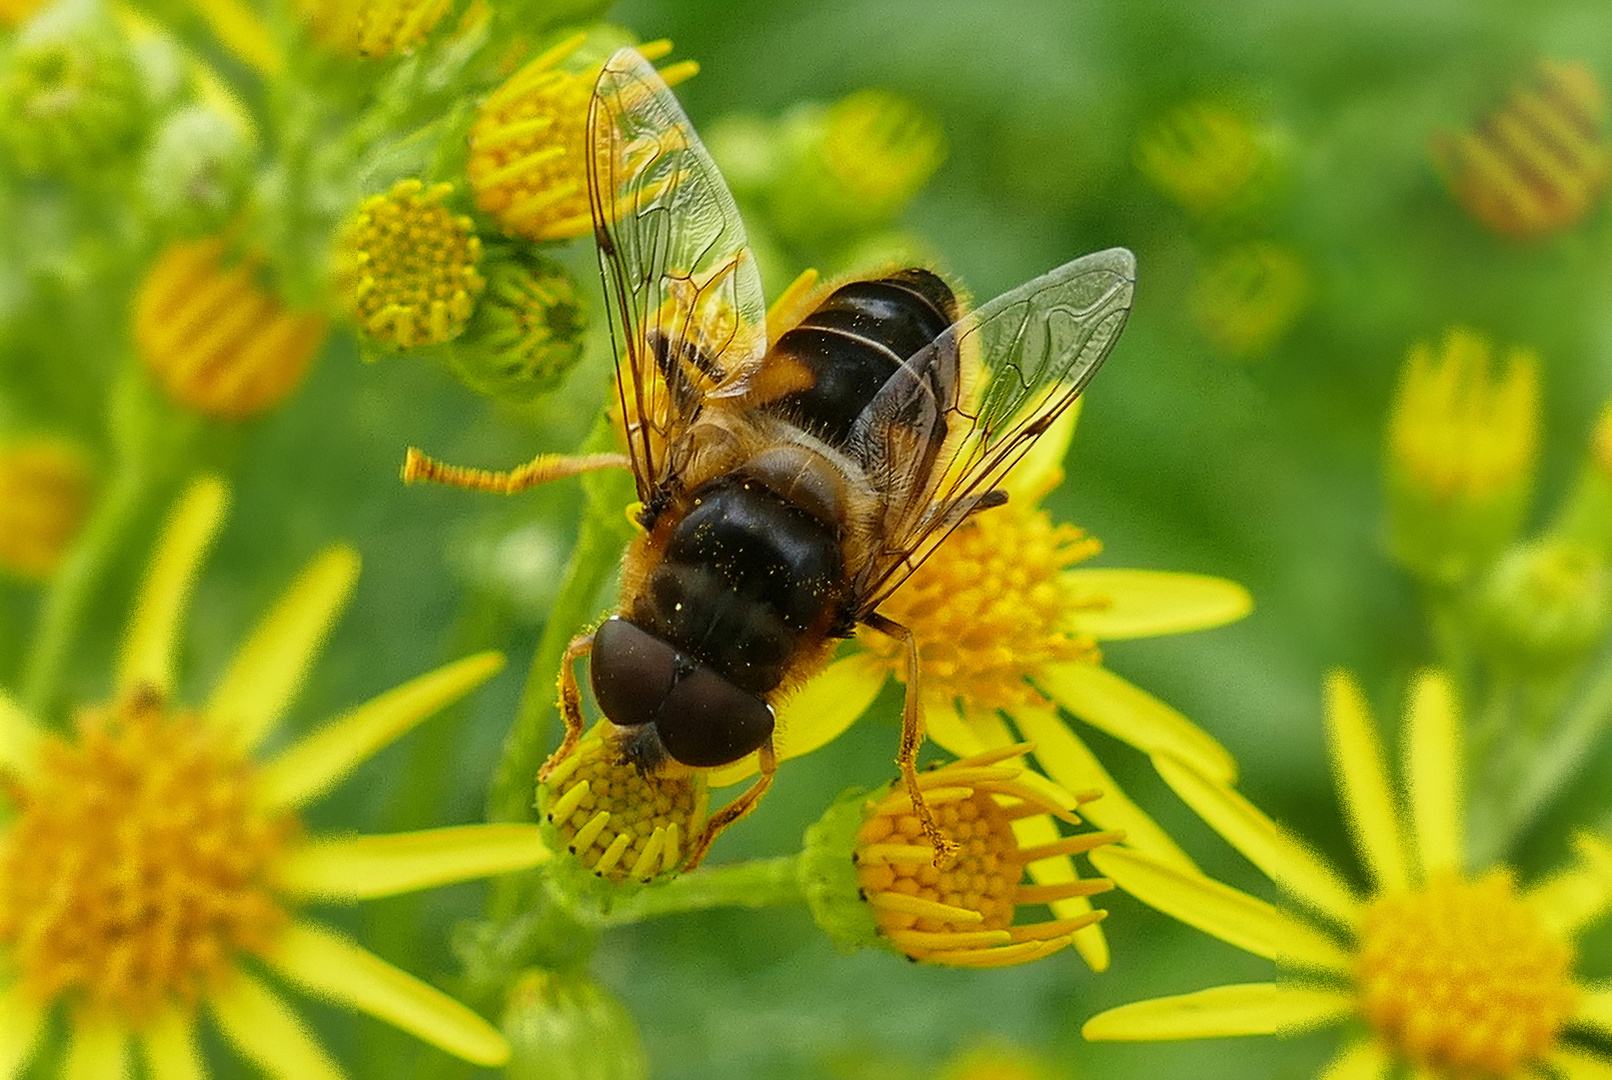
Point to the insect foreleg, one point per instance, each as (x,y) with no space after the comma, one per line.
(418,468)
(570,702)
(767,760)
(912,737)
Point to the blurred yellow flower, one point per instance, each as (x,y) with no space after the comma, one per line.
(372,29)
(1455,973)
(1540,162)
(1247,297)
(44,495)
(152,862)
(214,338)
(1201,155)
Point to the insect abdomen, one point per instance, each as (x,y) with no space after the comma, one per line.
(855,341)
(744,575)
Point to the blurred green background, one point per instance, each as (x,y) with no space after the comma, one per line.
(1264,468)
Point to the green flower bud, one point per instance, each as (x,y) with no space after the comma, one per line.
(526,333)
(1546,604)
(568,1027)
(1587,517)
(197,171)
(1246,298)
(1205,157)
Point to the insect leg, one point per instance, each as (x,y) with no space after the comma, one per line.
(912,737)
(417,468)
(738,808)
(570,702)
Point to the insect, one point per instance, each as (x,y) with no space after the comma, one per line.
(788,486)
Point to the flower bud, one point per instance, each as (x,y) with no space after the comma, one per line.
(44,496)
(71,98)
(1203,156)
(568,1027)
(1546,604)
(1246,298)
(196,173)
(1462,444)
(526,333)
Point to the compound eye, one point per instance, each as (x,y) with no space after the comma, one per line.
(632,672)
(706,721)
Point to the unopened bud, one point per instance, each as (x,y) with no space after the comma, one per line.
(568,1027)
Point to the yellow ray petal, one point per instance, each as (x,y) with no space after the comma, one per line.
(1119,604)
(266,1031)
(363,867)
(817,714)
(335,969)
(312,766)
(1041,468)
(1361,1059)
(1109,703)
(1229,914)
(147,652)
(20,739)
(96,1050)
(1286,859)
(1362,776)
(1575,1064)
(946,727)
(1038,830)
(268,670)
(170,1047)
(1068,760)
(1595,1008)
(1433,772)
(21,1021)
(1579,895)
(1221,1011)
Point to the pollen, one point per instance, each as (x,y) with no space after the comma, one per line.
(215,338)
(406,266)
(373,29)
(1459,430)
(992,606)
(963,913)
(1462,976)
(528,165)
(619,822)
(139,866)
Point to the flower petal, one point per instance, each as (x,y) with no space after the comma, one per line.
(266,1031)
(1361,1059)
(1041,468)
(20,739)
(1229,914)
(1574,1064)
(1067,759)
(1147,603)
(1034,831)
(1362,777)
(312,766)
(1286,859)
(363,867)
(817,714)
(146,656)
(171,1051)
(945,725)
(1221,1011)
(1433,771)
(96,1050)
(1579,895)
(269,668)
(1594,1008)
(21,1021)
(337,970)
(1109,703)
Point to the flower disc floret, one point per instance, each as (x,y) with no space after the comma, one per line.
(407,267)
(140,866)
(373,29)
(1463,976)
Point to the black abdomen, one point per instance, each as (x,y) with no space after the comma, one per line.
(744,574)
(855,341)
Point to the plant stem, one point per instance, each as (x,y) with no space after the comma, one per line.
(1565,752)
(755,884)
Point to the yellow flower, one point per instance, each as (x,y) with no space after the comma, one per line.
(528,165)
(44,495)
(1246,298)
(153,864)
(870,876)
(406,266)
(214,338)
(1201,155)
(1007,630)
(1454,972)
(1537,164)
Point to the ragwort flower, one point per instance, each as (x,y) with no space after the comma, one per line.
(153,866)
(1454,972)
(1008,631)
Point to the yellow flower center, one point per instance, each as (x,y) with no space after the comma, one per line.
(374,28)
(992,606)
(139,866)
(981,878)
(619,822)
(406,266)
(1462,975)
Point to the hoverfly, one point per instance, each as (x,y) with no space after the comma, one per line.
(786,487)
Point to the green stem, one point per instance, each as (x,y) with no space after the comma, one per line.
(758,883)
(1563,755)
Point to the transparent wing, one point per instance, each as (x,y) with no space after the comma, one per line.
(958,414)
(686,308)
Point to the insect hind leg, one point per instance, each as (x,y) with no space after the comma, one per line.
(570,703)
(738,808)
(420,469)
